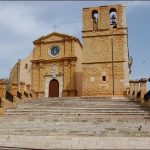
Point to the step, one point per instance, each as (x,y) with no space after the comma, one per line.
(73,109)
(75,142)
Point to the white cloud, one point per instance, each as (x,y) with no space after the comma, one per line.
(18,18)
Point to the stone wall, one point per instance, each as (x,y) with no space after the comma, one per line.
(105,53)
(15,73)
(26,69)
(66,64)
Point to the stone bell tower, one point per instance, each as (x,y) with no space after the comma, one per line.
(105,51)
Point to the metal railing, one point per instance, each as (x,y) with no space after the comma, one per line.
(30,95)
(138,94)
(147,96)
(133,93)
(19,95)
(25,94)
(9,96)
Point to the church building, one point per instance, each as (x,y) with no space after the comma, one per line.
(59,65)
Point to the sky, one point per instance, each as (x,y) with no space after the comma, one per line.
(21,22)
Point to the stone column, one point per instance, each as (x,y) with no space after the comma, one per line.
(28,89)
(143,89)
(2,89)
(136,88)
(131,89)
(14,89)
(22,87)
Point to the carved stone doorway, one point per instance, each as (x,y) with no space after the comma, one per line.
(54,88)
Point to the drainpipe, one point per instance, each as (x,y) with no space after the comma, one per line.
(113,79)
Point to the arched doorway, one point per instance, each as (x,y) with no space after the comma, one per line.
(54,88)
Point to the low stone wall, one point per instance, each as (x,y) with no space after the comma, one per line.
(138,91)
(18,93)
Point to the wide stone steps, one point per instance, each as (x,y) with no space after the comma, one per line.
(73,117)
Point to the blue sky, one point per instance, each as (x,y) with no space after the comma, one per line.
(23,22)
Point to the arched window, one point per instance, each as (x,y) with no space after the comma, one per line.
(113,17)
(95,19)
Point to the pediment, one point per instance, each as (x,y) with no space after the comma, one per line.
(54,37)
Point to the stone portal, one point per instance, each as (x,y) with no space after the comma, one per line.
(54,88)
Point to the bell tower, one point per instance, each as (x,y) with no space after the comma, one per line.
(105,51)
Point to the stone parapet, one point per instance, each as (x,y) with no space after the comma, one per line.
(128,91)
(131,82)
(22,87)
(14,89)
(28,87)
(136,88)
(143,88)
(2,89)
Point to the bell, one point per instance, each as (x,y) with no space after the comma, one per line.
(113,20)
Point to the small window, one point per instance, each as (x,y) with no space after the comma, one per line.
(104,78)
(26,66)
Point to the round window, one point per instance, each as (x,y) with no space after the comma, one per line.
(54,51)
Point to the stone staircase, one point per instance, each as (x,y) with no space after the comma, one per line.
(75,123)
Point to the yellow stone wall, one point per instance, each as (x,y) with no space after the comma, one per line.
(81,68)
(25,73)
(67,63)
(78,69)
(15,73)
(105,53)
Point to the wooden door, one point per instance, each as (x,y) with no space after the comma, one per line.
(54,88)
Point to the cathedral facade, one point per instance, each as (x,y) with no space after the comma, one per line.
(60,66)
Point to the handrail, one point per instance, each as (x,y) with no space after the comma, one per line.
(9,96)
(25,94)
(19,95)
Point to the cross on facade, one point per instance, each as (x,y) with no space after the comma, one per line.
(55,27)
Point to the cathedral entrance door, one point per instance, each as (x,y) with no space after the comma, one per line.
(54,88)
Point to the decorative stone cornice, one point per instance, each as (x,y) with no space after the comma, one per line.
(53,60)
(136,81)
(22,82)
(66,37)
(28,85)
(131,81)
(143,80)
(14,83)
(3,82)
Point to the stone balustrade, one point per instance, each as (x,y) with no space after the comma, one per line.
(137,91)
(22,88)
(28,87)
(143,89)
(17,92)
(131,82)
(14,89)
